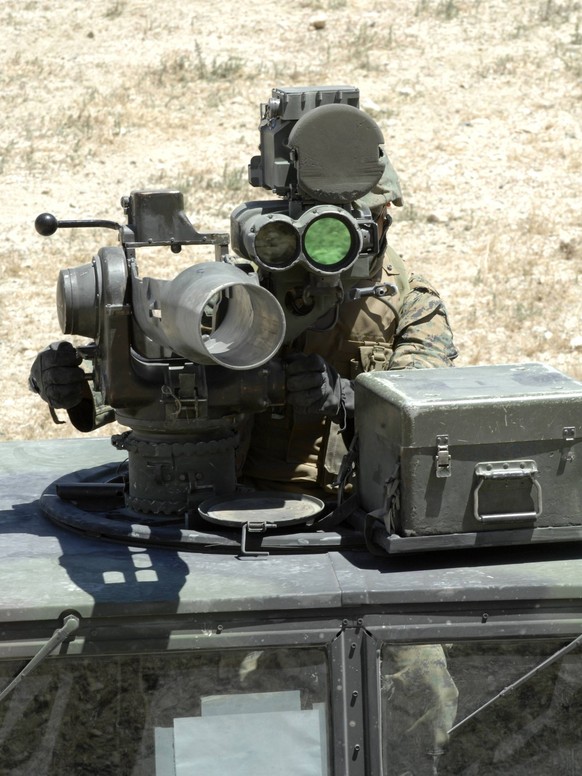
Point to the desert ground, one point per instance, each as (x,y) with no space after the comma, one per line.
(480,103)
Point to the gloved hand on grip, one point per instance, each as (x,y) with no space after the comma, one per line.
(316,387)
(57,377)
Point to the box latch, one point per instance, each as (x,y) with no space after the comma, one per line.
(442,459)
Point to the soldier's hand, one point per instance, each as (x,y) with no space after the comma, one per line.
(314,386)
(57,377)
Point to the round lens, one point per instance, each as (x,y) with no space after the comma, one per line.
(276,243)
(327,241)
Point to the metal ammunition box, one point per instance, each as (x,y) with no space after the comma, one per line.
(486,454)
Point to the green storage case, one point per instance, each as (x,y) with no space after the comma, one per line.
(471,455)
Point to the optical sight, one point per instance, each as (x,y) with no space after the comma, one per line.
(321,153)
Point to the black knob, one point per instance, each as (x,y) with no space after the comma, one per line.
(46,224)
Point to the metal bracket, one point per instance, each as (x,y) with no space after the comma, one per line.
(355,665)
(442,459)
(378,290)
(253,528)
(569,433)
(118,309)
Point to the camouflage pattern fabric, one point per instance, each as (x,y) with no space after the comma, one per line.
(423,336)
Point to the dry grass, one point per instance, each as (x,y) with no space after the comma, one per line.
(480,103)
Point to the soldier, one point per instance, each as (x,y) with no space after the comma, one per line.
(301,449)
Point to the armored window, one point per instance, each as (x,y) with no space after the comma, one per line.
(483,709)
(238,712)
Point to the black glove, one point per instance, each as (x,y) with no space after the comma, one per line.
(57,377)
(314,386)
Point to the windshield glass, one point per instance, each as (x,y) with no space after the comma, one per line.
(532,729)
(235,712)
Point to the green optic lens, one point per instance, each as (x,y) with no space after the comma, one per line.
(327,241)
(276,243)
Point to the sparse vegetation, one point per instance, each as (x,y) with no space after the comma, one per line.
(448,9)
(115,10)
(183,67)
(480,104)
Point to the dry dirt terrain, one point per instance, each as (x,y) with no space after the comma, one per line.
(480,102)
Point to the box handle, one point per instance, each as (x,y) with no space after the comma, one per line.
(505,470)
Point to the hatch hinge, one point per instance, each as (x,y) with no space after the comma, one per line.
(258,528)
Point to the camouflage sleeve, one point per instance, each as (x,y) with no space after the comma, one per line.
(423,336)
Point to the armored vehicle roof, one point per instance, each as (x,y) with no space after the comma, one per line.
(210,658)
(47,570)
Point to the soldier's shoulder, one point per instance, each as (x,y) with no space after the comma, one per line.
(422,284)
